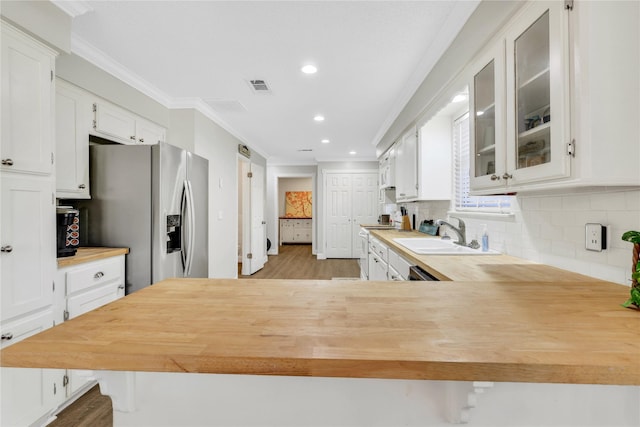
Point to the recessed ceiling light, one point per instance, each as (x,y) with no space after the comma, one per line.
(352,152)
(459,97)
(319,118)
(325,141)
(309,69)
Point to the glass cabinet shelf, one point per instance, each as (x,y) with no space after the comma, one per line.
(487,150)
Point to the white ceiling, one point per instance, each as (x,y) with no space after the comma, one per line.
(370,55)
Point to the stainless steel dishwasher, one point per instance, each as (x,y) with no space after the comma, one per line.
(417,273)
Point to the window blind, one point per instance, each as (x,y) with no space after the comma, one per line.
(462,182)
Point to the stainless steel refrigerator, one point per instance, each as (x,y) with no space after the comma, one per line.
(152,199)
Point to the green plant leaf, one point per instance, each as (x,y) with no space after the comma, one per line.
(633,299)
(631,236)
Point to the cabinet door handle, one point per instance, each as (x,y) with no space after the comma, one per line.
(7,162)
(7,248)
(141,140)
(121,287)
(495,177)
(7,336)
(507,176)
(82,186)
(132,137)
(98,275)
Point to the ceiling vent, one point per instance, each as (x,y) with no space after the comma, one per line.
(259,86)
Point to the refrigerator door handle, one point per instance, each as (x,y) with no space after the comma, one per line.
(184,226)
(192,227)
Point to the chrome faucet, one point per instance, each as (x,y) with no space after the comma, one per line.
(460,230)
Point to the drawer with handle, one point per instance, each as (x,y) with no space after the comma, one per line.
(95,273)
(25,326)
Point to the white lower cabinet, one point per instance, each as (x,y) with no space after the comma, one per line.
(386,264)
(29,395)
(295,231)
(398,267)
(88,286)
(378,260)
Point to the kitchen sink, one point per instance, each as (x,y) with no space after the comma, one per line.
(432,246)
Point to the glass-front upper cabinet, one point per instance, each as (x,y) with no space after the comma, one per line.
(486,121)
(537,100)
(519,121)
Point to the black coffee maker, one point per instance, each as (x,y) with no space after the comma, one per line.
(68,231)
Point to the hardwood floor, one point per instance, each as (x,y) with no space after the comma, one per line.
(91,410)
(293,262)
(297,262)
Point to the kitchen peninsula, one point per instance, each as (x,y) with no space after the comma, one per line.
(361,347)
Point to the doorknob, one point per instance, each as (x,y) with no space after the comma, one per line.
(7,248)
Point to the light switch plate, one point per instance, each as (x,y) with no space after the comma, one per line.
(595,237)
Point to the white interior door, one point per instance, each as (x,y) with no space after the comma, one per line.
(258,223)
(254,248)
(338,215)
(364,193)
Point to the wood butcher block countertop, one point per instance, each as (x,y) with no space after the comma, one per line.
(90,254)
(532,331)
(489,268)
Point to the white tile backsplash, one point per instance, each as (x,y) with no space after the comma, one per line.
(550,230)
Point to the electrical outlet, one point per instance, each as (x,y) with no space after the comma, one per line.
(595,237)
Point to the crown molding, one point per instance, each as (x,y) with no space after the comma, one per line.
(73,8)
(87,51)
(101,60)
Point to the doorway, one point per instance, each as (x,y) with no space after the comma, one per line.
(294,211)
(252,240)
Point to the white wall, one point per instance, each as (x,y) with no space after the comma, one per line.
(221,148)
(550,229)
(292,184)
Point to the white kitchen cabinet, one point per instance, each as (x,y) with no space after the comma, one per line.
(387,169)
(537,113)
(27,257)
(29,396)
(434,164)
(27,98)
(295,230)
(398,267)
(560,119)
(27,260)
(122,126)
(149,133)
(406,149)
(487,120)
(423,162)
(378,260)
(519,103)
(88,286)
(73,123)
